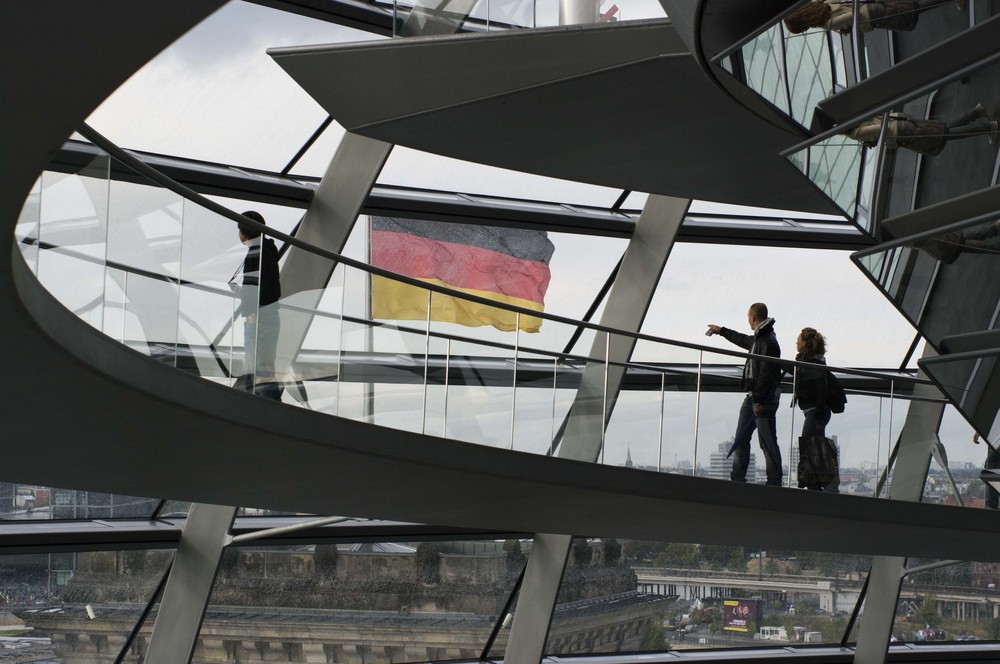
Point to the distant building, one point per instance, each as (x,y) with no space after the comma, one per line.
(720,465)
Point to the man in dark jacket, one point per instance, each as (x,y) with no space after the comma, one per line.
(761,381)
(259,293)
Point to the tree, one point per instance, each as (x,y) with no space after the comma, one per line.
(652,638)
(427,562)
(993,631)
(513,558)
(718,556)
(325,559)
(582,552)
(679,555)
(612,552)
(927,613)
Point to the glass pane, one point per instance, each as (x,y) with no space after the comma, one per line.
(85,603)
(928,280)
(763,67)
(376,601)
(955,602)
(20,501)
(216,95)
(409,168)
(679,596)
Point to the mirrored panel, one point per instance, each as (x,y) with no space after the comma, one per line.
(943,282)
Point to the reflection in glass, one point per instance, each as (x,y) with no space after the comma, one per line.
(945,283)
(764,67)
(970,381)
(835,166)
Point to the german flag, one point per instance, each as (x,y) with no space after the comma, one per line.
(504,264)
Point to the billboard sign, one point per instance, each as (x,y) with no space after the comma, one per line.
(738,614)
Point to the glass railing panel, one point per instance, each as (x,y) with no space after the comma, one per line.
(633,434)
(206,334)
(148,316)
(72,227)
(540,404)
(84,603)
(145,226)
(480,397)
(681,597)
(318,369)
(375,601)
(28,224)
(681,451)
(401,397)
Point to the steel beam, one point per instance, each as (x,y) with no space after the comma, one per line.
(189,585)
(537,599)
(917,440)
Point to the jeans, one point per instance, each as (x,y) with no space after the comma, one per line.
(767,436)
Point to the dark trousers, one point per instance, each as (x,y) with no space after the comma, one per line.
(767,437)
(992,497)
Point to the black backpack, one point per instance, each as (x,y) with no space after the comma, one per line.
(836,398)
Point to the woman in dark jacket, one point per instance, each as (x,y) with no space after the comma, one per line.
(811,389)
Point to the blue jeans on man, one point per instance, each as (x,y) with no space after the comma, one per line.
(767,436)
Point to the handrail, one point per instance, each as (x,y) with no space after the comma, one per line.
(555,355)
(185,192)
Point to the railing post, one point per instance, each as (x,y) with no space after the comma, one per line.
(659,452)
(791,431)
(513,385)
(604,401)
(697,413)
(447,371)
(427,361)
